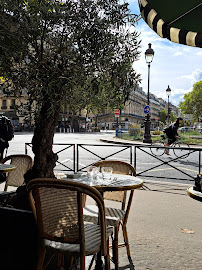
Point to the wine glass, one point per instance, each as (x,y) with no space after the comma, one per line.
(92,173)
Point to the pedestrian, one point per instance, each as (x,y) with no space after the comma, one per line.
(6,134)
(171,132)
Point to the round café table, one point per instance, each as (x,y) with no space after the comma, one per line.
(6,168)
(194,194)
(117,182)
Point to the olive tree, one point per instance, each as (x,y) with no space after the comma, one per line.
(58,51)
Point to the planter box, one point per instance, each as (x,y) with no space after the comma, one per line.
(19,238)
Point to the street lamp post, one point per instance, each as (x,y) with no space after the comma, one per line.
(168,92)
(149,54)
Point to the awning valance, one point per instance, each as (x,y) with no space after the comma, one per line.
(179,21)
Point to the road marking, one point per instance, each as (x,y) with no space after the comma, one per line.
(71,160)
(174,169)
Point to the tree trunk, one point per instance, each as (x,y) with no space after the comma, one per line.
(42,142)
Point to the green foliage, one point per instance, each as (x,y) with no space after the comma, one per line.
(163,116)
(80,51)
(157,132)
(77,53)
(192,101)
(136,133)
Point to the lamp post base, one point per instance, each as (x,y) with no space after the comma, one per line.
(147,135)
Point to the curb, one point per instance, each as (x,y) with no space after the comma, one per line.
(119,142)
(135,143)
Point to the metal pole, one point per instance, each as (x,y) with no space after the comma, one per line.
(148,84)
(168,109)
(147,135)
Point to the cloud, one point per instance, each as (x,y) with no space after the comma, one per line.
(178,53)
(194,77)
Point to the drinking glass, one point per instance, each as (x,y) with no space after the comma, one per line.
(107,172)
(92,173)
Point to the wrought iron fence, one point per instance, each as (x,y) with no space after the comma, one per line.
(77,157)
(185,152)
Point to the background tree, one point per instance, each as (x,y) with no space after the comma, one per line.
(56,50)
(192,102)
(164,116)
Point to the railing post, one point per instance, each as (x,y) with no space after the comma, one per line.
(131,156)
(77,157)
(135,157)
(74,165)
(25,148)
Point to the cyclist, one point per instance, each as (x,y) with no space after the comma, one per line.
(171,132)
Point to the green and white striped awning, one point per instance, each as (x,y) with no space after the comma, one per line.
(177,20)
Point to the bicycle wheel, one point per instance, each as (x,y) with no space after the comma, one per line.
(179,152)
(157,150)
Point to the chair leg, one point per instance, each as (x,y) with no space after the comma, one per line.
(107,259)
(60,260)
(82,262)
(125,237)
(6,187)
(115,248)
(70,262)
(41,258)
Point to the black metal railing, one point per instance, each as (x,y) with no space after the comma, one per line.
(78,157)
(101,156)
(62,165)
(91,153)
(187,151)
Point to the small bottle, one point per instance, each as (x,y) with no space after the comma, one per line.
(198,183)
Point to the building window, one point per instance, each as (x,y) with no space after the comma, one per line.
(4,104)
(12,104)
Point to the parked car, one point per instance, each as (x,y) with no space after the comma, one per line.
(185,129)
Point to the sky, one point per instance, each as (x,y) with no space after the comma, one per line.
(176,65)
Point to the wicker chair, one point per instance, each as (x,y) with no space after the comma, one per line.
(58,209)
(23,163)
(114,217)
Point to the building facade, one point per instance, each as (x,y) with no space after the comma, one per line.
(133,112)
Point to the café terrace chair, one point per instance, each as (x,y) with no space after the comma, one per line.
(23,163)
(58,208)
(114,216)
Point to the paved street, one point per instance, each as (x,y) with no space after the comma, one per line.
(93,153)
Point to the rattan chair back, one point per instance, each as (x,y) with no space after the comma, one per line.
(58,208)
(23,163)
(119,167)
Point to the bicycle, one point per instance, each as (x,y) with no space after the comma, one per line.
(177,145)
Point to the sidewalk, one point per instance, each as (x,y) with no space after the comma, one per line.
(164,229)
(114,140)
